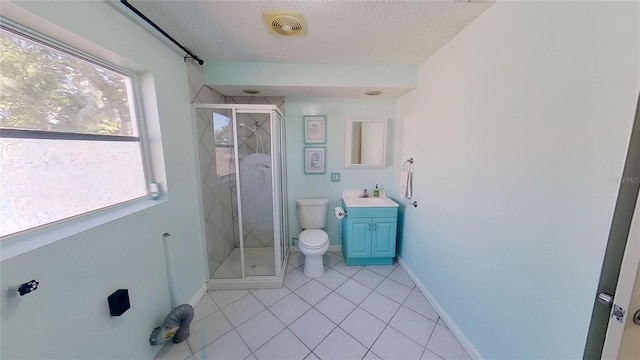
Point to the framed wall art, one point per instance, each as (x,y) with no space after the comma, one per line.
(314,160)
(315,129)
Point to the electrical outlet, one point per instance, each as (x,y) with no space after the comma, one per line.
(335,177)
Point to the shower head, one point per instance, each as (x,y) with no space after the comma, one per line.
(245,126)
(256,133)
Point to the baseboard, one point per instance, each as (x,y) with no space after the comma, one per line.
(334,248)
(196,298)
(468,346)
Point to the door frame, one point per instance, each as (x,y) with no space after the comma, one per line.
(617,241)
(625,289)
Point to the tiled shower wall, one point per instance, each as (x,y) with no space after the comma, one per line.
(219,195)
(198,92)
(219,200)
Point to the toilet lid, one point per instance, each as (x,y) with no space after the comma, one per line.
(313,238)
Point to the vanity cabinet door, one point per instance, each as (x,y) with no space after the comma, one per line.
(383,240)
(358,238)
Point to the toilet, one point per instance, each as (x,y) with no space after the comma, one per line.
(313,242)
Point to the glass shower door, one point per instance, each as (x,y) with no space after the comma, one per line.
(216,142)
(256,174)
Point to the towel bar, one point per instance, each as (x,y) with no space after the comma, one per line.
(410,165)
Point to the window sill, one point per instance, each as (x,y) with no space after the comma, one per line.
(21,243)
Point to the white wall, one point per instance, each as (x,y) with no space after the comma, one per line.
(519,127)
(67,317)
(337,111)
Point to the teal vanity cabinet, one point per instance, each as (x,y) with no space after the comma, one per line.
(369,235)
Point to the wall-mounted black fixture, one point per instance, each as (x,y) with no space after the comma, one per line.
(24,289)
(119,302)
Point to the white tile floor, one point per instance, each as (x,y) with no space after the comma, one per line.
(352,312)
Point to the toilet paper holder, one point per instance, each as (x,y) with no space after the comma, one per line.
(340,212)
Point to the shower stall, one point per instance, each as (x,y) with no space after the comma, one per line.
(241,151)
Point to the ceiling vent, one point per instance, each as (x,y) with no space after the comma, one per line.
(288,23)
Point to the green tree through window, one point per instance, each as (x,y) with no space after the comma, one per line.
(69,142)
(46,89)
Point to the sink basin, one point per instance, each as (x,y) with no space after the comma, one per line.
(369,200)
(353,199)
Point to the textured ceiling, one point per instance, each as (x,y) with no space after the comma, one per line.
(339,32)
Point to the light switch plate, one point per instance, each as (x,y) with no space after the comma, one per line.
(335,177)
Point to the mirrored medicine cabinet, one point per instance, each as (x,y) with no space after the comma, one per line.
(366,141)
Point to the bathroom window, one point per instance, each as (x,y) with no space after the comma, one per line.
(69,134)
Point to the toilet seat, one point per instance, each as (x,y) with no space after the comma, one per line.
(313,239)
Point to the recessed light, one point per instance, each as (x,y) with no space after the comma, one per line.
(251,91)
(373,92)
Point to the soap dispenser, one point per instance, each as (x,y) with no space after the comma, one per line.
(376,191)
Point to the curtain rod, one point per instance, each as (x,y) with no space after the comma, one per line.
(189,55)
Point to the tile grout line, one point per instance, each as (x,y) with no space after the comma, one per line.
(401,306)
(357,306)
(405,300)
(337,325)
(346,316)
(286,327)
(233,328)
(271,338)
(314,308)
(428,341)
(387,324)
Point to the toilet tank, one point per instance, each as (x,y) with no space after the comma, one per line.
(312,213)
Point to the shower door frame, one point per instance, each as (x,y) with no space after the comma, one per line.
(275,192)
(278,191)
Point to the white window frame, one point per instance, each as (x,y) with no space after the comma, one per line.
(15,244)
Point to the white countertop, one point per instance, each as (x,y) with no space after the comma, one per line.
(352,198)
